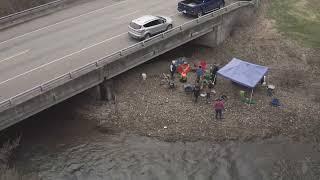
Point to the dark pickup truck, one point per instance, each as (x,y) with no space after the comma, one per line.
(199,7)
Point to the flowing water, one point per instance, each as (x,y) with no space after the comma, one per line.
(59,146)
(132,157)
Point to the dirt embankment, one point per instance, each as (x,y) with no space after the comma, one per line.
(151,109)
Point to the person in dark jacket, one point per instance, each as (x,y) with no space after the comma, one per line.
(196,92)
(173,68)
(214,71)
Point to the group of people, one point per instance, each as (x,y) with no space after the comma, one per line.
(205,81)
(207,84)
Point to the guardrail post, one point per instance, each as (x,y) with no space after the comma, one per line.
(70,75)
(54,97)
(101,74)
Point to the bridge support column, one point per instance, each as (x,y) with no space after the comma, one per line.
(220,35)
(211,39)
(106,90)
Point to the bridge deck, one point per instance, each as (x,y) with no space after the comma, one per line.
(28,59)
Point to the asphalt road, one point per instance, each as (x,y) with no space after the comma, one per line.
(43,49)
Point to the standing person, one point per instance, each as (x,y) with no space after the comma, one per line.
(215,69)
(207,89)
(173,68)
(196,92)
(199,73)
(219,107)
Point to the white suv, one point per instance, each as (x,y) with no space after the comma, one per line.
(148,25)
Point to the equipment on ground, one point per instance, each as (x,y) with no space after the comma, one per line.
(275,102)
(183,70)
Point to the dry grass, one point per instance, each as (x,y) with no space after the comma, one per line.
(12,174)
(6,151)
(7,173)
(299,19)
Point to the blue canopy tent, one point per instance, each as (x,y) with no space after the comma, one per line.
(244,73)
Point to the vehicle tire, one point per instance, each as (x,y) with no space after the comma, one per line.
(200,14)
(147,36)
(169,27)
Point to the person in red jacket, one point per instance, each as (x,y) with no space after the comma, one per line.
(218,107)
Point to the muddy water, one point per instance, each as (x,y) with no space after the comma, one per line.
(131,157)
(62,146)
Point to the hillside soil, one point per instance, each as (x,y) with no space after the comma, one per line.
(150,108)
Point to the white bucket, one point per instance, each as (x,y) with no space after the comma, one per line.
(144,76)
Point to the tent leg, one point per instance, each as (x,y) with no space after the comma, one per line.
(251,96)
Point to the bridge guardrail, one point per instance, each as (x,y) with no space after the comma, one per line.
(55,82)
(83,70)
(172,32)
(28,94)
(107,59)
(131,48)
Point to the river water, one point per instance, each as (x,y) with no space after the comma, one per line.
(132,157)
(60,146)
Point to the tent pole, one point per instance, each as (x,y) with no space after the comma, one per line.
(251,95)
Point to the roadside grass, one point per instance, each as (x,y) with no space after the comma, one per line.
(298,19)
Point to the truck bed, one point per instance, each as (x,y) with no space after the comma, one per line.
(191,2)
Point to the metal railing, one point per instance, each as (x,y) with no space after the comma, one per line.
(36,9)
(41,88)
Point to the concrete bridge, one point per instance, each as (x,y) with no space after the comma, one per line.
(32,90)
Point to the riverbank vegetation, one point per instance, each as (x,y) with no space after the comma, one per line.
(299,19)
